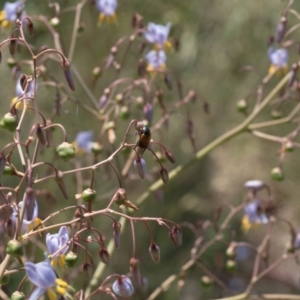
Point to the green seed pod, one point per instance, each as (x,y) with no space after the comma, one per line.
(4,280)
(66,151)
(14,248)
(97,148)
(206,282)
(55,21)
(8,171)
(71,259)
(230,265)
(289,147)
(97,72)
(10,122)
(277,174)
(124,112)
(11,62)
(242,105)
(88,195)
(17,296)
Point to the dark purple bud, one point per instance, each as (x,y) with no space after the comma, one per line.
(12,45)
(140,165)
(104,255)
(170,156)
(23,82)
(176,236)
(141,67)
(154,251)
(281,28)
(41,134)
(29,202)
(109,61)
(104,98)
(68,74)
(117,235)
(137,21)
(164,175)
(168,81)
(10,228)
(148,112)
(135,271)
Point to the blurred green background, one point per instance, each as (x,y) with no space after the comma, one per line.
(217,38)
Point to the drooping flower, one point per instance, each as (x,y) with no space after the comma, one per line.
(158,35)
(84,141)
(28,94)
(253,215)
(107,10)
(55,242)
(11,11)
(156,61)
(44,278)
(123,286)
(30,222)
(278,59)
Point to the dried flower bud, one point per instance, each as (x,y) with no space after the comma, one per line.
(154,251)
(137,21)
(66,151)
(164,175)
(10,228)
(29,202)
(176,236)
(135,271)
(61,184)
(12,45)
(14,248)
(30,27)
(140,165)
(68,74)
(104,255)
(41,135)
(116,233)
(277,174)
(123,286)
(170,156)
(148,112)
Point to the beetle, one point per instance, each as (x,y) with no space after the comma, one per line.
(144,140)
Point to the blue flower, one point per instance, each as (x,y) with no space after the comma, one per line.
(278,59)
(10,12)
(44,278)
(55,242)
(158,35)
(253,215)
(84,141)
(156,61)
(107,10)
(29,222)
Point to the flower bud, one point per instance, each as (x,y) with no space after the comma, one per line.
(88,195)
(68,74)
(116,234)
(9,122)
(164,175)
(277,174)
(41,134)
(206,282)
(281,27)
(4,280)
(242,105)
(104,255)
(123,286)
(135,271)
(170,156)
(154,251)
(66,151)
(148,112)
(30,27)
(71,259)
(176,236)
(14,248)
(140,165)
(17,295)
